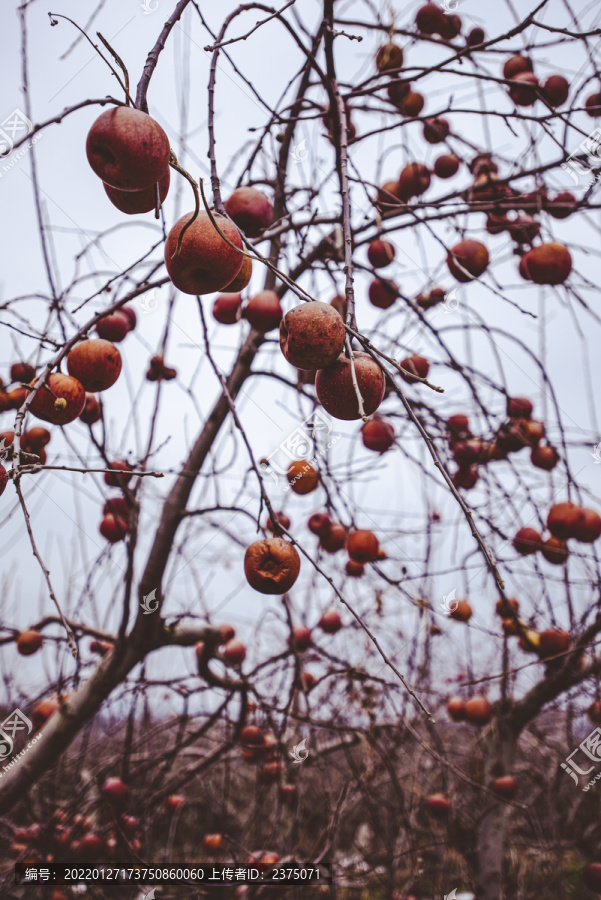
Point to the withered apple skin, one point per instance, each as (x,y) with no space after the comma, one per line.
(205,262)
(312,335)
(127,149)
(336,392)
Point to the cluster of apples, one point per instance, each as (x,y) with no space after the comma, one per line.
(565,520)
(261,748)
(33,441)
(361,544)
(224,646)
(75,835)
(21,374)
(547,644)
(519,431)
(525,88)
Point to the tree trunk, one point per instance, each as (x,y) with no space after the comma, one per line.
(499,750)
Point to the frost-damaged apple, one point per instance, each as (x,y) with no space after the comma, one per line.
(271,565)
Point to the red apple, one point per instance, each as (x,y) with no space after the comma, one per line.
(436,130)
(412,106)
(429,18)
(336,392)
(555,551)
(562,205)
(250,210)
(506,606)
(113,479)
(35,438)
(330,621)
(527,541)
(113,528)
(115,790)
(234,652)
(555,90)
(593,105)
(213,842)
(303,478)
(553,642)
(226,308)
(377,435)
(545,457)
(127,149)
(113,327)
(271,565)
(462,611)
(380,253)
(354,569)
(515,65)
(523,88)
(319,524)
(382,294)
(251,736)
(588,526)
(475,37)
(466,478)
(456,708)
(519,408)
(548,263)
(205,262)
(281,518)
(446,166)
(29,642)
(96,364)
(414,179)
(44,710)
(428,299)
(389,56)
(312,335)
(300,639)
(22,371)
(458,424)
(334,539)
(467,260)
(562,519)
(134,203)
(119,507)
(478,710)
(3,479)
(505,786)
(60,400)
(363,546)
(397,91)
(242,278)
(439,805)
(263,311)
(417,365)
